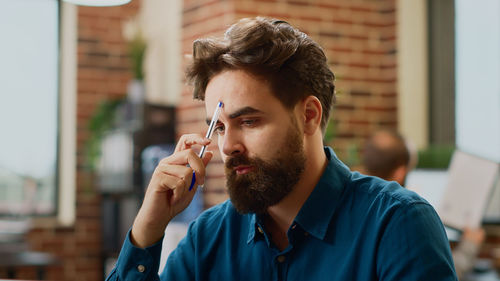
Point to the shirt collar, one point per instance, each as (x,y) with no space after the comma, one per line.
(316,213)
(252,228)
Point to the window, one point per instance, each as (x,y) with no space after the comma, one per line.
(478,69)
(448,69)
(29,102)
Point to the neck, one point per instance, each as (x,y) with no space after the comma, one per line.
(280,216)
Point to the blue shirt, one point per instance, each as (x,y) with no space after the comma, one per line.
(352,227)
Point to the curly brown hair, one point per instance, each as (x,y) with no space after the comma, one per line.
(293,63)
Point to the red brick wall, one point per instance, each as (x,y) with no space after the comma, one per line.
(359,38)
(103,73)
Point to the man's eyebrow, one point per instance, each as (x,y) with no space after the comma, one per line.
(242,111)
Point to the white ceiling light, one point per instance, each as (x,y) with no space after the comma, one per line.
(100,3)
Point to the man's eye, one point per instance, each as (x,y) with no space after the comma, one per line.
(248,122)
(219,129)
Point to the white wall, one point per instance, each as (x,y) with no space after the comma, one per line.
(413,85)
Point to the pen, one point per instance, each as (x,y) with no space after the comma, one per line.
(210,131)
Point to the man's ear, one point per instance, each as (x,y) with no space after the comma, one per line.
(312,112)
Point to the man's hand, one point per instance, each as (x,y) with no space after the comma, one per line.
(474,235)
(168,191)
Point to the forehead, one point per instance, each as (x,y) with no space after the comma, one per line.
(237,89)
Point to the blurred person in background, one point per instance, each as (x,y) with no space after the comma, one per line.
(387,155)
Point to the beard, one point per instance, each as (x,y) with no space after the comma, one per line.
(269,181)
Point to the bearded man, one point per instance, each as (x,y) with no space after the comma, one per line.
(295,211)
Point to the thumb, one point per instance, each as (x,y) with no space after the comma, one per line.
(207,157)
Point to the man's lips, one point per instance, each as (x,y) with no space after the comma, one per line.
(242,169)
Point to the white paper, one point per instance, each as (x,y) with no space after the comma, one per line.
(470,184)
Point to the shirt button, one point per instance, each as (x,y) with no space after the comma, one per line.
(281,259)
(260,230)
(294,226)
(141,268)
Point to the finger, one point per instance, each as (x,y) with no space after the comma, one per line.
(178,158)
(200,168)
(207,157)
(194,162)
(180,171)
(177,185)
(176,165)
(187,141)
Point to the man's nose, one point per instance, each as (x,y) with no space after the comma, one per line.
(231,143)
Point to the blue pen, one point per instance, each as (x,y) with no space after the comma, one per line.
(210,131)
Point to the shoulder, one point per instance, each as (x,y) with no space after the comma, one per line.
(363,188)
(387,201)
(401,216)
(388,192)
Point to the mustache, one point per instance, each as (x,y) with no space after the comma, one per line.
(237,161)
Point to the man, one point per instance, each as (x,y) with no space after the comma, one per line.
(387,155)
(295,211)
